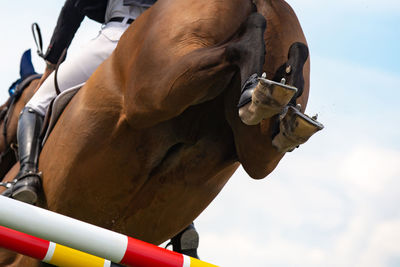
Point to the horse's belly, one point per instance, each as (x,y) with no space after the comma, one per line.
(175,195)
(136,185)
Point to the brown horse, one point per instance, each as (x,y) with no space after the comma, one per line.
(156,131)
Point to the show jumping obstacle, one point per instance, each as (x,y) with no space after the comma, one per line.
(48,251)
(84,237)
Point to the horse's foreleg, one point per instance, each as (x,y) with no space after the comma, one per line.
(197,77)
(12,259)
(201,75)
(295,128)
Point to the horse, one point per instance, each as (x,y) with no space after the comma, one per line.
(156,130)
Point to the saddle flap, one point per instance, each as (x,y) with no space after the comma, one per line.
(57,107)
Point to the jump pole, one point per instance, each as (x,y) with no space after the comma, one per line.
(48,251)
(89,238)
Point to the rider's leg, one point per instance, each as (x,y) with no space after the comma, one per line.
(27,182)
(78,69)
(71,73)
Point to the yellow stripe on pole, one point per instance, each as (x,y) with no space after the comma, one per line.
(68,257)
(198,263)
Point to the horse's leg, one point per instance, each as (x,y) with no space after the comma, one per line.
(203,74)
(260,98)
(7,257)
(295,128)
(11,259)
(256,151)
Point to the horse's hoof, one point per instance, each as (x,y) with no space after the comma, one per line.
(268,99)
(295,129)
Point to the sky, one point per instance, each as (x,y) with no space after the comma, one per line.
(331,202)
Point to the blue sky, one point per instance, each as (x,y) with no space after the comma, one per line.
(332,202)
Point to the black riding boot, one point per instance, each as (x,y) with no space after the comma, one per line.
(186,242)
(27,183)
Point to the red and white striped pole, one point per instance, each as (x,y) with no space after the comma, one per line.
(48,251)
(88,238)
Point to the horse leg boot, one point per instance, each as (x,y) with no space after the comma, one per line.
(27,183)
(186,242)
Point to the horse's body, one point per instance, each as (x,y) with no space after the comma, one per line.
(154,135)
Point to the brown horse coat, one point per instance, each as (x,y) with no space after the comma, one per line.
(154,135)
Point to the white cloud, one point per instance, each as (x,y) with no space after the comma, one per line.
(370,169)
(347,6)
(239,249)
(383,246)
(310,212)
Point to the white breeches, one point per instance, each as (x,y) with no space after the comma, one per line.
(77,69)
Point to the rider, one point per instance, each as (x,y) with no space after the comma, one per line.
(116,16)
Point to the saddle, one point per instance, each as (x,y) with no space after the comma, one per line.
(55,110)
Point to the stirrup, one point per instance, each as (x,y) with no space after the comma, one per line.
(295,128)
(25,191)
(7,185)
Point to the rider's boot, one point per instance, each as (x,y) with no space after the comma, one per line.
(27,183)
(295,128)
(186,242)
